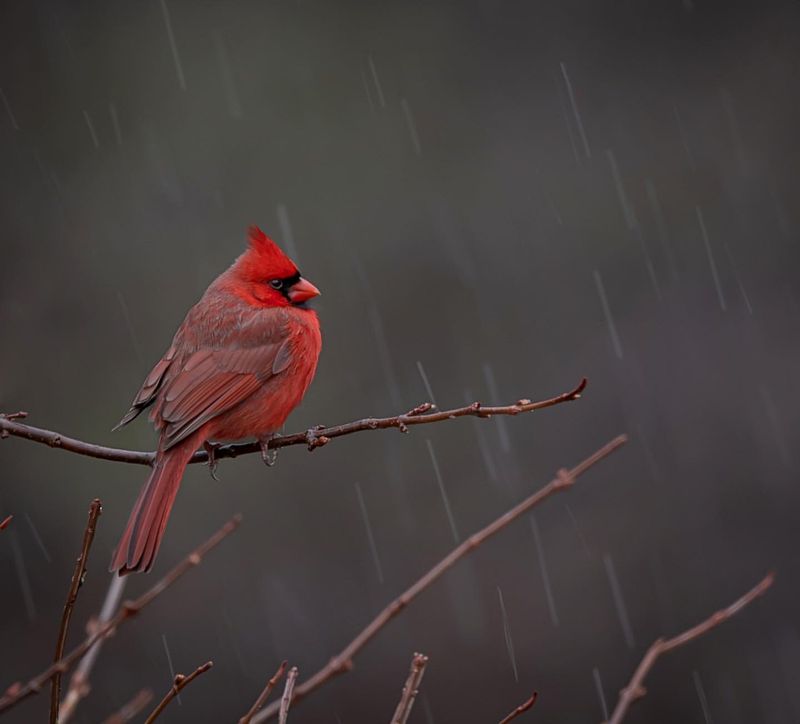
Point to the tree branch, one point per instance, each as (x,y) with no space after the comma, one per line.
(264,695)
(131,709)
(79,687)
(343,661)
(522,708)
(411,689)
(313,438)
(179,683)
(95,508)
(129,609)
(635,689)
(288,691)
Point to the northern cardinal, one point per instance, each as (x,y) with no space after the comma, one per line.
(239,363)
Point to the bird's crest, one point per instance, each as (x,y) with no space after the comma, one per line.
(265,256)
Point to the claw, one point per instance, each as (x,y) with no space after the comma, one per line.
(211,451)
(270,457)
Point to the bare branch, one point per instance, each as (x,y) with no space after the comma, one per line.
(179,683)
(410,690)
(313,438)
(288,691)
(264,695)
(131,709)
(4,523)
(95,508)
(522,708)
(635,688)
(343,661)
(129,609)
(79,687)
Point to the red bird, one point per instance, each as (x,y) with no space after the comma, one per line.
(239,363)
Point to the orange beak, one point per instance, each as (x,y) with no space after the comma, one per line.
(302,290)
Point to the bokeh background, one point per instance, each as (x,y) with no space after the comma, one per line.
(496,199)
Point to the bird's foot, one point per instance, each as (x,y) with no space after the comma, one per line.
(270,457)
(211,451)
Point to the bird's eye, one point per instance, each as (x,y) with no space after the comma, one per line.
(276,283)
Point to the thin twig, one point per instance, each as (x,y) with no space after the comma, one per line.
(4,523)
(635,688)
(79,687)
(95,508)
(411,688)
(179,683)
(288,691)
(522,708)
(313,437)
(343,661)
(129,609)
(132,709)
(264,695)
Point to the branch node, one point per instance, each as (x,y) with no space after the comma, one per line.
(420,409)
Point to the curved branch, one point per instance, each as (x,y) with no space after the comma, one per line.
(522,708)
(343,661)
(635,688)
(313,438)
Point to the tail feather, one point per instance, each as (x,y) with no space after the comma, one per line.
(139,544)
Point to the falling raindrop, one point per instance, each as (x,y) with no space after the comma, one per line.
(738,279)
(507,635)
(38,539)
(171,667)
(627,209)
(500,422)
(483,444)
(619,603)
(575,112)
(377,81)
(412,126)
(112,110)
(425,382)
(22,573)
(711,261)
(612,328)
(90,126)
(701,694)
(443,492)
(600,694)
(173,46)
(370,536)
(551,604)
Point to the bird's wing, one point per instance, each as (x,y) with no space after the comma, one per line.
(147,393)
(213,381)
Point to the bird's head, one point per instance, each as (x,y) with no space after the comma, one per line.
(265,275)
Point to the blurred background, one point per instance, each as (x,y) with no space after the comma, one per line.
(496,198)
